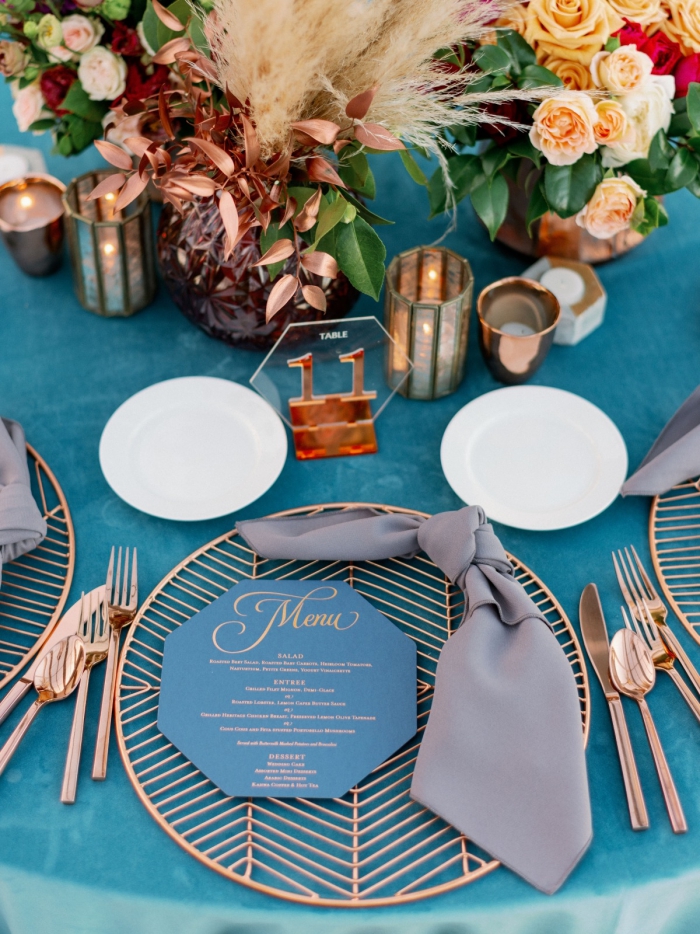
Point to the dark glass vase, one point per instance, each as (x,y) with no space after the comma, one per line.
(227,297)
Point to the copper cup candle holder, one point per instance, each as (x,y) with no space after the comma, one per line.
(517,320)
(112,252)
(31,222)
(427,306)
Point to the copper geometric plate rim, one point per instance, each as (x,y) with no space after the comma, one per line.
(282,839)
(675,586)
(35,586)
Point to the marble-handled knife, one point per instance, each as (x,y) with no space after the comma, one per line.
(595,638)
(68,625)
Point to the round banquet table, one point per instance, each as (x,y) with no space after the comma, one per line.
(103,866)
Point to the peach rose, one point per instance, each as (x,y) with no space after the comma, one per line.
(621,71)
(13,58)
(81,34)
(682,23)
(644,12)
(573,29)
(648,110)
(612,126)
(563,127)
(576,77)
(611,208)
(28,106)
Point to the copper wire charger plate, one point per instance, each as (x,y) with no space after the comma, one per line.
(374,846)
(35,586)
(674,542)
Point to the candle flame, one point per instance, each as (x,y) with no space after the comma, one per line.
(26,201)
(110,196)
(108,249)
(427,329)
(432,274)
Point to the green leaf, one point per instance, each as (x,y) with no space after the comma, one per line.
(358,162)
(501,81)
(653,182)
(612,44)
(150,24)
(329,243)
(330,214)
(77,102)
(437,193)
(694,141)
(493,59)
(490,201)
(364,212)
(364,183)
(465,135)
(569,187)
(361,255)
(694,187)
(182,10)
(519,50)
(680,125)
(82,132)
(654,216)
(301,195)
(693,105)
(64,147)
(412,167)
(660,152)
(196,34)
(494,159)
(523,147)
(534,76)
(680,105)
(39,126)
(681,171)
(537,207)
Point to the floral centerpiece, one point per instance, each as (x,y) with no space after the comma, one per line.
(266,122)
(621,128)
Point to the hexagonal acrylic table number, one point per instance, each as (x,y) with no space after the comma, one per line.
(326,380)
(288,689)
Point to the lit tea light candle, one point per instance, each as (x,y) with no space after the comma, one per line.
(31,222)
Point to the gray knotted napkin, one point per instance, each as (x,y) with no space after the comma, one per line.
(502,758)
(22,526)
(674,456)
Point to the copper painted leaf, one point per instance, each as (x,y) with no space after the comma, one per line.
(198,185)
(114,155)
(377,137)
(164,114)
(138,144)
(130,191)
(281,249)
(252,146)
(166,17)
(323,131)
(289,210)
(321,171)
(320,263)
(205,68)
(340,144)
(218,156)
(314,296)
(306,218)
(113,183)
(229,215)
(282,292)
(166,53)
(357,108)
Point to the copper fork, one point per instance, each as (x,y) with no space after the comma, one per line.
(663,658)
(659,614)
(121,612)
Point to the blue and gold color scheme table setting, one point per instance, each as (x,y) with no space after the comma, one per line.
(349,468)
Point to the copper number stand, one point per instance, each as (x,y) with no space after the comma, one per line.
(674,542)
(372,847)
(35,586)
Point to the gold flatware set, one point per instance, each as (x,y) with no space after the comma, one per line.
(87,634)
(628,666)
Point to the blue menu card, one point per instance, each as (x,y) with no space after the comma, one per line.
(288,689)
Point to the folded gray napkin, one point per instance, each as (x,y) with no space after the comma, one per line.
(502,757)
(674,456)
(22,526)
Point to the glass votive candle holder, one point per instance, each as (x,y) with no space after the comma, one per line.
(112,252)
(517,320)
(31,222)
(428,300)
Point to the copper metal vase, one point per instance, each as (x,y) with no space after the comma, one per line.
(226,298)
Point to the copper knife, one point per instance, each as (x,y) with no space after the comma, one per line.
(595,638)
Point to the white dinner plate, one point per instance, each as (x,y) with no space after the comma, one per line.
(534,457)
(193,448)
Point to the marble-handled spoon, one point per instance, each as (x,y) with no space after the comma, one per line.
(56,676)
(632,672)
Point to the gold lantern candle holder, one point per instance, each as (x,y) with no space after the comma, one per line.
(112,252)
(427,306)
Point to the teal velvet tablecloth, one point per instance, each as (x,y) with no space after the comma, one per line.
(103,866)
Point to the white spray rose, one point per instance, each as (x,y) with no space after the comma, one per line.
(102,74)
(648,110)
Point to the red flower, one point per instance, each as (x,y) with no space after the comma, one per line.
(631,34)
(125,41)
(140,85)
(687,70)
(54,85)
(502,133)
(663,52)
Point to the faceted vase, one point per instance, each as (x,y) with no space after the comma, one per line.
(226,298)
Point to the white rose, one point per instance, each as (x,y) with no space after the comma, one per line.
(28,106)
(648,110)
(102,74)
(81,34)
